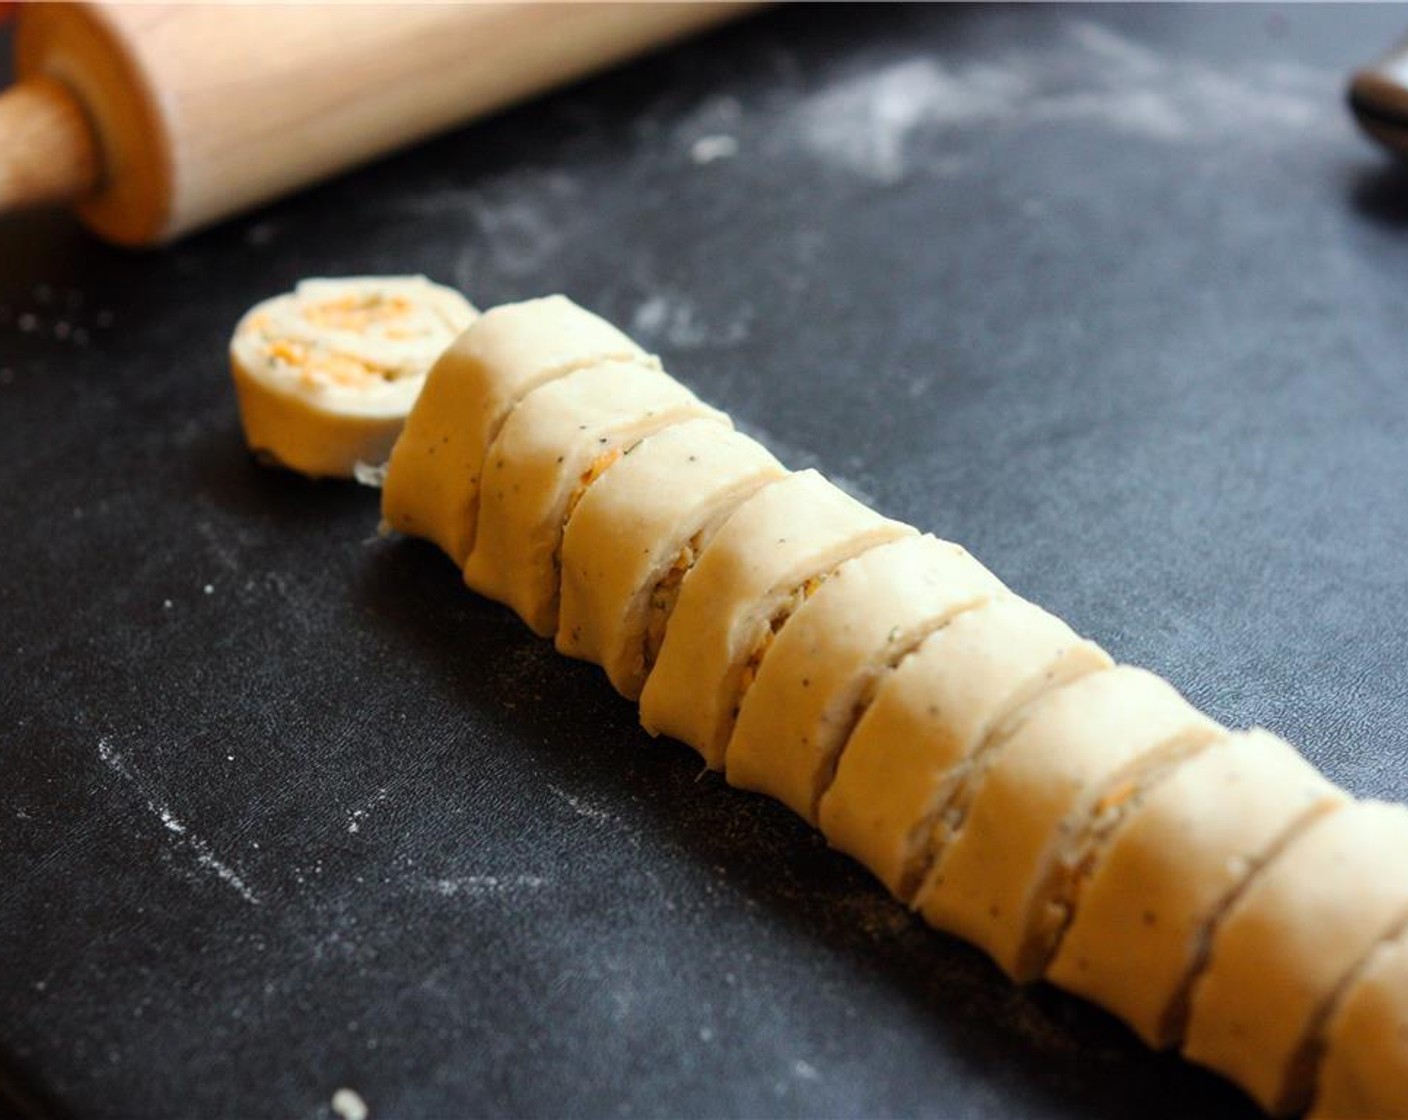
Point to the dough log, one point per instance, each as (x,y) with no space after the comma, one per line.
(1076,819)
(1287,947)
(1034,790)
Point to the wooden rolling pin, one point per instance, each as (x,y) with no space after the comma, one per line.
(155,120)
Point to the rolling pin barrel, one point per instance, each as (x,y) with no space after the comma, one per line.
(157,120)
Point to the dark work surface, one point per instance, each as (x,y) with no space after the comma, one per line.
(1114,297)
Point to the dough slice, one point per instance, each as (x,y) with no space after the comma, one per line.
(927,720)
(432,483)
(1145,912)
(1288,946)
(796,717)
(326,374)
(1365,1068)
(554,445)
(778,544)
(636,533)
(995,873)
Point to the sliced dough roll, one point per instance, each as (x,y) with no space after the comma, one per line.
(1365,1068)
(795,719)
(326,374)
(1146,910)
(929,717)
(751,575)
(1289,944)
(432,484)
(996,872)
(555,444)
(637,532)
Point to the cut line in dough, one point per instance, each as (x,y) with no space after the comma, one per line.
(561,438)
(795,720)
(1365,1067)
(787,533)
(636,533)
(1031,790)
(1145,913)
(1287,947)
(433,480)
(928,718)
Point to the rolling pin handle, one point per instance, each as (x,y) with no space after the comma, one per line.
(47,149)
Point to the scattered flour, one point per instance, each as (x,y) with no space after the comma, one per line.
(349,1105)
(580,807)
(217,544)
(369,474)
(868,123)
(519,235)
(709,130)
(356,816)
(798,458)
(57,313)
(865,123)
(517,221)
(204,856)
(479,886)
(707,149)
(672,319)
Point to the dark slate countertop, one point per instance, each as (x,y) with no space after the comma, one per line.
(1114,296)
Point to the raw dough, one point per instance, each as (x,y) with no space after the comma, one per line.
(994,873)
(555,444)
(641,527)
(1365,1070)
(927,719)
(796,718)
(1064,814)
(326,374)
(1176,859)
(432,484)
(787,534)
(1288,943)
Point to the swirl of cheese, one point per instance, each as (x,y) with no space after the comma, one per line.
(326,374)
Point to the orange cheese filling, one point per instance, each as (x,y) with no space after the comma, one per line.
(1075,867)
(357,312)
(354,313)
(595,469)
(318,371)
(663,597)
(750,668)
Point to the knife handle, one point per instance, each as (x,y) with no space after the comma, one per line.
(1378,95)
